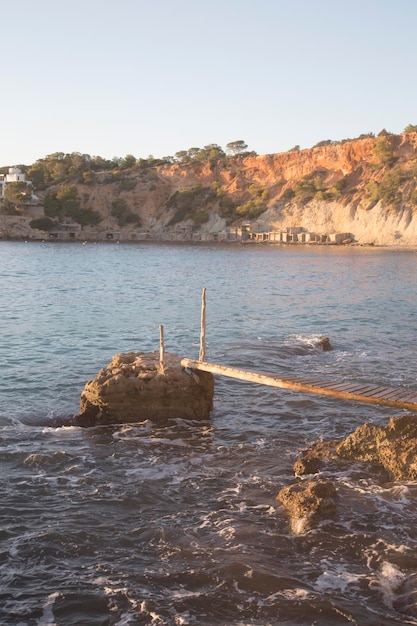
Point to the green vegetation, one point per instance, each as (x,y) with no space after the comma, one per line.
(18,192)
(65,203)
(236,147)
(256,204)
(312,186)
(384,151)
(124,215)
(324,142)
(60,167)
(227,206)
(193,204)
(411,128)
(288,194)
(309,187)
(128,162)
(388,190)
(210,153)
(42,223)
(16,195)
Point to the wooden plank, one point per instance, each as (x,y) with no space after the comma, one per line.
(384,392)
(398,393)
(344,391)
(373,389)
(410,396)
(381,391)
(346,387)
(293,379)
(369,390)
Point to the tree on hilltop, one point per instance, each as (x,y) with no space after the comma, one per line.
(410,128)
(236,147)
(128,162)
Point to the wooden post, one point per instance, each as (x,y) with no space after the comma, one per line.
(203,327)
(161,368)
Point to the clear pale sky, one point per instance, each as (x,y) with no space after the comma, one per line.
(158,76)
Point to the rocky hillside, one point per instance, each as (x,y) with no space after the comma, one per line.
(364,187)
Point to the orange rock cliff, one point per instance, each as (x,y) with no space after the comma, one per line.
(365,188)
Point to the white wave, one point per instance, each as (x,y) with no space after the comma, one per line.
(296,594)
(338,579)
(47,618)
(387,580)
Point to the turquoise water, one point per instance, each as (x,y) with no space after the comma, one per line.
(178,524)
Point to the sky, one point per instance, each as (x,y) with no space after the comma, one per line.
(156,77)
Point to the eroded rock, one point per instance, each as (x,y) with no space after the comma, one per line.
(392,450)
(394,447)
(308,502)
(316,458)
(132,388)
(325,344)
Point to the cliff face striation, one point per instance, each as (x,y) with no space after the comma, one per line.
(363,189)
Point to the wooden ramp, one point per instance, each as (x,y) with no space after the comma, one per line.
(398,398)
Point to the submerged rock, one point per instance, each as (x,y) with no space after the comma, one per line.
(325,344)
(132,388)
(308,502)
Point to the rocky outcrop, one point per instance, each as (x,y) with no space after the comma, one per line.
(394,447)
(308,502)
(390,450)
(325,344)
(316,459)
(132,388)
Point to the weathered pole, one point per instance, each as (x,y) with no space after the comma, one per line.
(203,327)
(161,350)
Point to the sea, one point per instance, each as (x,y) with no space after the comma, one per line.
(177,523)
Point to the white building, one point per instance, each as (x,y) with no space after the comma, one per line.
(15,175)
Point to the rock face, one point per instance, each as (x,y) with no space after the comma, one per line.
(394,447)
(131,389)
(355,195)
(308,502)
(315,459)
(392,450)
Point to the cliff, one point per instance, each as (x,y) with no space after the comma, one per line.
(363,188)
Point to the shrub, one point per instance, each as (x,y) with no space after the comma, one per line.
(42,223)
(388,190)
(324,142)
(384,151)
(191,204)
(124,215)
(226,205)
(127,184)
(252,209)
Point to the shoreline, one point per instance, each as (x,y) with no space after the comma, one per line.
(303,245)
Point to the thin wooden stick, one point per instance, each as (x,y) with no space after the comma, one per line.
(161,368)
(203,327)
